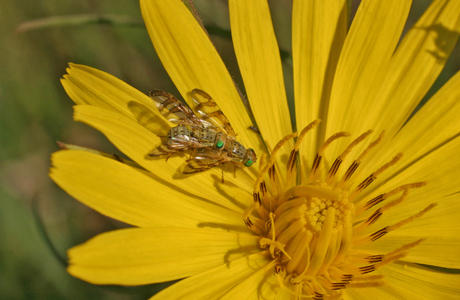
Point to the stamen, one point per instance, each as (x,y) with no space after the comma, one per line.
(331,139)
(388,164)
(319,155)
(304,132)
(351,170)
(374,259)
(405,248)
(271,161)
(291,165)
(367,278)
(256,197)
(361,206)
(345,153)
(412,218)
(310,223)
(286,236)
(378,213)
(371,145)
(366,284)
(297,248)
(391,259)
(309,191)
(374,175)
(414,185)
(264,242)
(289,204)
(323,242)
(273,181)
(360,240)
(346,239)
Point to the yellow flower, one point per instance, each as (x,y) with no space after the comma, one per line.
(323,216)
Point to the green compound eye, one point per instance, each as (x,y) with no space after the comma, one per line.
(249,163)
(219,144)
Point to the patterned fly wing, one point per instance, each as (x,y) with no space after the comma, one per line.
(175,111)
(207,136)
(208,111)
(205,158)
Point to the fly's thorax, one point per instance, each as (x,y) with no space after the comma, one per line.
(205,136)
(236,150)
(179,133)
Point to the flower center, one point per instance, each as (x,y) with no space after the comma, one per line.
(312,224)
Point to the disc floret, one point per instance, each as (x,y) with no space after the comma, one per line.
(312,227)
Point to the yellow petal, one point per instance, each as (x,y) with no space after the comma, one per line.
(318,33)
(368,48)
(137,256)
(192,62)
(86,85)
(123,193)
(440,168)
(440,227)
(418,282)
(135,142)
(283,295)
(259,285)
(259,61)
(415,66)
(382,292)
(436,123)
(215,283)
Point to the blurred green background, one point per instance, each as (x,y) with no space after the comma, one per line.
(35,113)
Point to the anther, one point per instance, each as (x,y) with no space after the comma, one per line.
(291,160)
(351,170)
(378,234)
(248,222)
(389,260)
(339,160)
(263,188)
(295,152)
(256,197)
(316,164)
(376,215)
(335,167)
(374,259)
(271,161)
(319,155)
(366,182)
(271,173)
(318,296)
(367,269)
(354,166)
(376,200)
